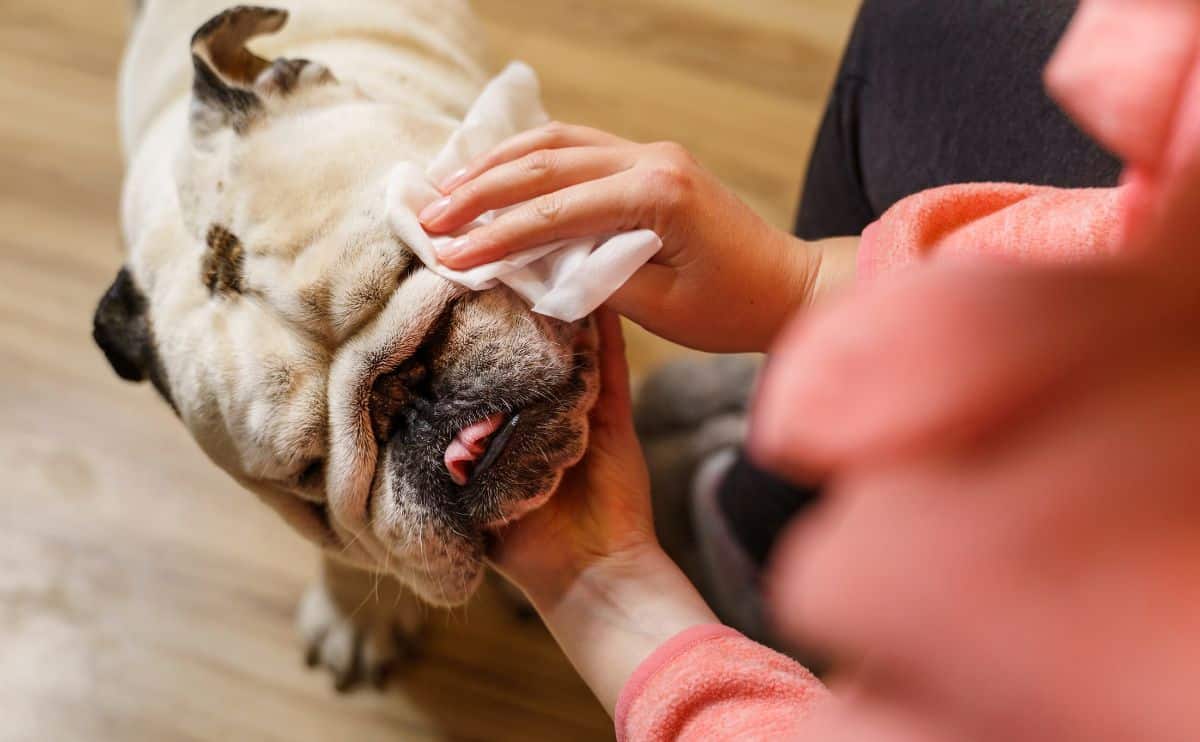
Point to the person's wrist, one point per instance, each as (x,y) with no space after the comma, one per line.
(787,284)
(640,587)
(547,583)
(837,266)
(618,611)
(803,273)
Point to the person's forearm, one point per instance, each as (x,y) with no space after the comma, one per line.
(612,616)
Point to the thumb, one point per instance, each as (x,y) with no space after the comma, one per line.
(613,410)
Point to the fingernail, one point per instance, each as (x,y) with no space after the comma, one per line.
(431,212)
(453,180)
(454,248)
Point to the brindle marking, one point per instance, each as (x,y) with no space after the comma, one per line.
(222,267)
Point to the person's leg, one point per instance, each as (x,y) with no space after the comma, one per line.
(930,93)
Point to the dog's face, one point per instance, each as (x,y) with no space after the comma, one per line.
(388,415)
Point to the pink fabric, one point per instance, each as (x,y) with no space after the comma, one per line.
(712,683)
(680,644)
(1129,71)
(999,220)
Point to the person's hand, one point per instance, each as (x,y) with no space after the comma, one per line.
(601,512)
(1010,545)
(588,559)
(725,280)
(1143,107)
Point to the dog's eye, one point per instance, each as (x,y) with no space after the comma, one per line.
(312,479)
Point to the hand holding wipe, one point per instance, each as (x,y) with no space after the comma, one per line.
(567,279)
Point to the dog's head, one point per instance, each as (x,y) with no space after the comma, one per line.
(386,413)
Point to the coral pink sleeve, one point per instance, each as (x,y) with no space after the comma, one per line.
(999,220)
(711,683)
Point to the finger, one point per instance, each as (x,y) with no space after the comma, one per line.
(1127,101)
(1141,106)
(607,205)
(536,174)
(615,402)
(865,714)
(551,136)
(1162,211)
(876,536)
(1049,486)
(935,356)
(902,567)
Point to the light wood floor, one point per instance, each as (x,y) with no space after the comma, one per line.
(142,595)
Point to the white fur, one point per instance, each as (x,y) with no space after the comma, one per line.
(278,375)
(418,65)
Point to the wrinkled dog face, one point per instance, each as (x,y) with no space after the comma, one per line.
(386,414)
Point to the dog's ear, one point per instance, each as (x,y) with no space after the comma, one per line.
(225,70)
(228,78)
(121,327)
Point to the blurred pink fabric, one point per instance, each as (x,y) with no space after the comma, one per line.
(1004,221)
(1128,73)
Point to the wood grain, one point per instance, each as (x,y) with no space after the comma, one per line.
(143,596)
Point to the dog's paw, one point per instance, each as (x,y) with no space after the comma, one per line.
(359,635)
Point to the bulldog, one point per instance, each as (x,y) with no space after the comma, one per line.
(389,416)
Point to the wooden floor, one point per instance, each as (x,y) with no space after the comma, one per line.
(142,595)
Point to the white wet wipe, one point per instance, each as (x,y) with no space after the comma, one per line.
(568,279)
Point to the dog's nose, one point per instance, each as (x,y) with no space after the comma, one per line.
(469,446)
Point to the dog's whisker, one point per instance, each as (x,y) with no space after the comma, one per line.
(366,599)
(354,537)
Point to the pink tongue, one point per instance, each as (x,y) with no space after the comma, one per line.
(468,447)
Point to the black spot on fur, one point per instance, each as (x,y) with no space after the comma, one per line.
(122,329)
(285,74)
(236,105)
(221,270)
